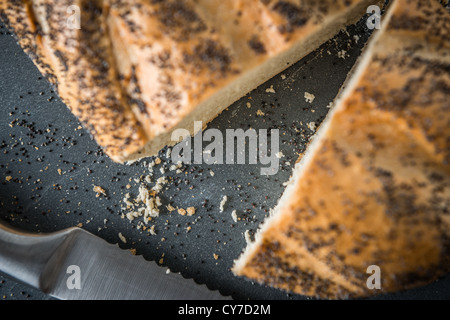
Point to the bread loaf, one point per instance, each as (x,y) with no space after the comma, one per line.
(137,70)
(372,192)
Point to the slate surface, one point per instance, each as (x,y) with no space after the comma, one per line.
(52,166)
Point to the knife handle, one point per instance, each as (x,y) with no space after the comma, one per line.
(23,256)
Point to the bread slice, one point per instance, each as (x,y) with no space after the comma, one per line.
(373,188)
(137,70)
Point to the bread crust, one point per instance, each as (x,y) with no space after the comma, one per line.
(77,63)
(375,189)
(136,68)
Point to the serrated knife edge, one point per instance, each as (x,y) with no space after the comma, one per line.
(52,263)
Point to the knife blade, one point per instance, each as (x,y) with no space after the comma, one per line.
(73,264)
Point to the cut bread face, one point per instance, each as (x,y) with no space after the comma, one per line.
(135,71)
(369,200)
(254,56)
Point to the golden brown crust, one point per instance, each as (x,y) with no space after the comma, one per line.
(137,68)
(376,190)
(183,52)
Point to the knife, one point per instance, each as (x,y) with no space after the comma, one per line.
(73,264)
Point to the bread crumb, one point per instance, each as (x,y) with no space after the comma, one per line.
(309,97)
(159,184)
(249,105)
(270,90)
(131,215)
(279,155)
(127,201)
(170,208)
(59,171)
(234,216)
(8,178)
(122,238)
(222,203)
(283,76)
(311,126)
(182,211)
(168,153)
(341,54)
(190,211)
(259,112)
(176,166)
(216,256)
(151,230)
(133,251)
(99,190)
(158,160)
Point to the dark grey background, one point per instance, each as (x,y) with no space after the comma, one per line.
(38,136)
